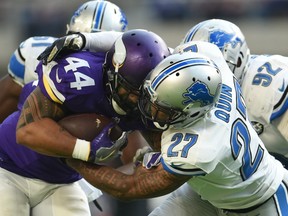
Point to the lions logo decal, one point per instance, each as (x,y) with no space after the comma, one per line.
(123,21)
(76,14)
(221,38)
(198,92)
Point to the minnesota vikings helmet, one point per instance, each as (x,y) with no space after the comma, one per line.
(180,90)
(229,39)
(97,15)
(134,54)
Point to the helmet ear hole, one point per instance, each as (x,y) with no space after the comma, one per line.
(239,62)
(194,115)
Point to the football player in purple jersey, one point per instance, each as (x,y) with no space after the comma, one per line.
(21,71)
(105,83)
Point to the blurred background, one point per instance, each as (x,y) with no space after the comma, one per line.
(263,22)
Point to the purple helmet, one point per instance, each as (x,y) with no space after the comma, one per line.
(134,54)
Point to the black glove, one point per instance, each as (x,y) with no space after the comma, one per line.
(74,42)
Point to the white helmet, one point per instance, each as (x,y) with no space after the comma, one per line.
(181,89)
(98,15)
(229,39)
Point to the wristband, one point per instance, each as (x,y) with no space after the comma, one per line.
(81,150)
(83,40)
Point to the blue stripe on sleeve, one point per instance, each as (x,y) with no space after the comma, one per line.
(16,68)
(179,171)
(282,200)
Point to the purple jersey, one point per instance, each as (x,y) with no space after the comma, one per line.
(77,82)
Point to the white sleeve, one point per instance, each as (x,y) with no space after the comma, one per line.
(100,41)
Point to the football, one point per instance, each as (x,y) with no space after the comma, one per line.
(88,125)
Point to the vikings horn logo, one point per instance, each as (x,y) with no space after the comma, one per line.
(221,38)
(198,92)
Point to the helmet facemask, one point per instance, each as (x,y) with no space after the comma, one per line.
(237,59)
(123,95)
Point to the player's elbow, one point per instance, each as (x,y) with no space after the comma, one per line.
(124,196)
(127,192)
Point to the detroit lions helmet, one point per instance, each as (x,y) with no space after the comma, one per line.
(180,90)
(134,54)
(229,39)
(97,15)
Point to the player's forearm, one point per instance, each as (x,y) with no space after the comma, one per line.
(107,179)
(140,185)
(45,136)
(100,41)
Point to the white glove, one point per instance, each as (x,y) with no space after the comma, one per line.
(138,157)
(151,159)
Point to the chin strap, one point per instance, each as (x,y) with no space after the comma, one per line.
(164,127)
(117,108)
(98,205)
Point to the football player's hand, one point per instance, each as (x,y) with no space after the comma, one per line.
(139,155)
(102,149)
(74,42)
(151,159)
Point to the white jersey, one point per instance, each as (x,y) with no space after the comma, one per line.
(230,166)
(23,62)
(265,91)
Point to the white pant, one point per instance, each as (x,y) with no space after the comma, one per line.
(185,202)
(32,197)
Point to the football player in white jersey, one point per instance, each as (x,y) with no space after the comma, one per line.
(208,148)
(263,80)
(92,16)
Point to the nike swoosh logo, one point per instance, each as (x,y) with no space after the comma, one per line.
(58,80)
(176,164)
(282,87)
(106,157)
